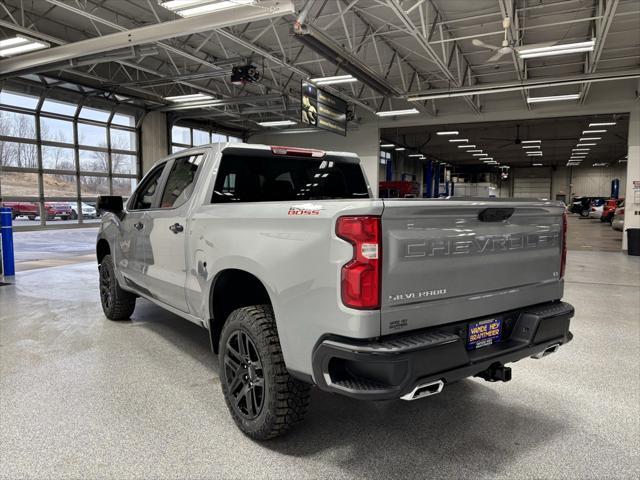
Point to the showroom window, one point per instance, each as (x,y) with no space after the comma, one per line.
(54,151)
(186,137)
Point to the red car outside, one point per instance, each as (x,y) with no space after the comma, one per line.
(31,210)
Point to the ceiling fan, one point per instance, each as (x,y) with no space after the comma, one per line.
(506,47)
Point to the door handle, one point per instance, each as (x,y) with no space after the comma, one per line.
(138,225)
(176,228)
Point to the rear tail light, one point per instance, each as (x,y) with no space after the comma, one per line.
(360,277)
(563,258)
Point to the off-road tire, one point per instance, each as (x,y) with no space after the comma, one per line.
(285,400)
(117,304)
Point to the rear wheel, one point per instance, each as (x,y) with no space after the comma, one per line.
(117,304)
(264,400)
(65,217)
(31,217)
(584,213)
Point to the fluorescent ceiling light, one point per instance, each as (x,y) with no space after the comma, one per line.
(580,149)
(387,145)
(20,44)
(586,139)
(585,145)
(531,141)
(458,140)
(553,98)
(393,113)
(416,155)
(334,80)
(601,124)
(480,154)
(191,8)
(451,132)
(276,123)
(600,164)
(188,98)
(531,146)
(474,151)
(562,49)
(534,154)
(487,159)
(536,164)
(12,42)
(589,132)
(466,146)
(556,52)
(400,149)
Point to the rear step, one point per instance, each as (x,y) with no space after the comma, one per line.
(424,390)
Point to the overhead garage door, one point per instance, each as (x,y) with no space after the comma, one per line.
(528,187)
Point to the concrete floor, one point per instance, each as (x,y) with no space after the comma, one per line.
(83,397)
(588,234)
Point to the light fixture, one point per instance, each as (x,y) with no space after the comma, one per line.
(400,149)
(601,124)
(451,132)
(393,113)
(534,154)
(589,132)
(474,151)
(487,159)
(416,155)
(191,8)
(188,98)
(334,80)
(580,149)
(480,154)
(600,164)
(458,140)
(466,146)
(586,139)
(585,144)
(563,49)
(277,123)
(554,98)
(387,145)
(531,141)
(536,164)
(531,146)
(20,44)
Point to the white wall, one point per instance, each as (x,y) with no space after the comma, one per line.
(593,182)
(364,142)
(154,139)
(632,204)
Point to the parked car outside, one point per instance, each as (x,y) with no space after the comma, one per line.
(87,211)
(609,209)
(31,210)
(18,209)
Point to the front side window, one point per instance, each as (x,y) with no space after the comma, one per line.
(181,181)
(145,195)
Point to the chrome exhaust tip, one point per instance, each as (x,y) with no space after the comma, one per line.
(547,351)
(424,390)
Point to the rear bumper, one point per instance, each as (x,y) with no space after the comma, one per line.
(390,368)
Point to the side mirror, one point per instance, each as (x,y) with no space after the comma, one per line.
(110,203)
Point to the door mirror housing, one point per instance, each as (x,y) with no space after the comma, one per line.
(110,203)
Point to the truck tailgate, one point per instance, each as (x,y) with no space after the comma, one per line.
(449,260)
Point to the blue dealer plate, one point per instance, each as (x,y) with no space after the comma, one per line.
(484,333)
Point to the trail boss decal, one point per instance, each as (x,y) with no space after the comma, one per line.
(305,209)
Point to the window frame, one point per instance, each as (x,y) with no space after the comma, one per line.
(143,184)
(170,169)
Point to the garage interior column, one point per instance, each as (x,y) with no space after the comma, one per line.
(632,199)
(364,141)
(154,142)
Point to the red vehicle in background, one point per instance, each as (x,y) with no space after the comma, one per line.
(32,210)
(399,189)
(609,209)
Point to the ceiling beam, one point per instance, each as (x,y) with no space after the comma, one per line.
(148,34)
(601,31)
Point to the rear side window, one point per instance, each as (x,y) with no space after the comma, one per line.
(263,177)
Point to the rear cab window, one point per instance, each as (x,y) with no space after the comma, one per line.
(249,175)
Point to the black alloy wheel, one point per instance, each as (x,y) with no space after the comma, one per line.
(244,375)
(105,288)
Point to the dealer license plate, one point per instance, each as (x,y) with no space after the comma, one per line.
(484,333)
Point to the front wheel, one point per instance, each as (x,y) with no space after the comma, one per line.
(584,213)
(264,400)
(117,304)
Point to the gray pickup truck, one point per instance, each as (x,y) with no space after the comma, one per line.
(302,278)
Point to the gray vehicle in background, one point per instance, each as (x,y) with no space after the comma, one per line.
(302,278)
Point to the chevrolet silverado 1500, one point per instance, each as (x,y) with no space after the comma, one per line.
(302,278)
